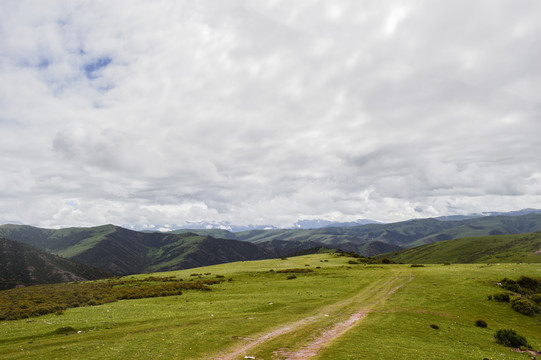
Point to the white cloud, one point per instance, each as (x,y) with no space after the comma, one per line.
(263,113)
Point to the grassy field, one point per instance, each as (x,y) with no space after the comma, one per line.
(402,302)
(524,248)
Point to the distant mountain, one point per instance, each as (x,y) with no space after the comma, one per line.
(485,249)
(489,213)
(121,251)
(318,224)
(22,264)
(404,234)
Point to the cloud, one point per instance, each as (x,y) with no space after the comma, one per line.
(266,112)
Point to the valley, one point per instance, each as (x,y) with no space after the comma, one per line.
(262,314)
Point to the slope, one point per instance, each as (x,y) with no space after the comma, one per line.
(404,234)
(524,248)
(22,264)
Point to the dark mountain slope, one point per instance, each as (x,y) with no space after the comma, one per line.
(121,251)
(22,264)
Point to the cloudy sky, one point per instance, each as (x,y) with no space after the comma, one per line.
(266,112)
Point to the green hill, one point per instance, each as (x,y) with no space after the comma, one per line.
(404,234)
(525,248)
(22,264)
(121,251)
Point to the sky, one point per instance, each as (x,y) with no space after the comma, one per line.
(265,112)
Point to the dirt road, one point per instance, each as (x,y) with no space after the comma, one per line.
(367,299)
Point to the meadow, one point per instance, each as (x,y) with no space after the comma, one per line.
(273,297)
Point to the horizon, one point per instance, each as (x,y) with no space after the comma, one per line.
(163,228)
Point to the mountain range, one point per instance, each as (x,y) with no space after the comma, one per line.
(121,251)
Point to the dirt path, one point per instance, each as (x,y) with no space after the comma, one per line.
(370,297)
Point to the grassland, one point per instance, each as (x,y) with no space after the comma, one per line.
(400,302)
(524,248)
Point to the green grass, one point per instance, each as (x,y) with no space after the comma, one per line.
(484,249)
(201,325)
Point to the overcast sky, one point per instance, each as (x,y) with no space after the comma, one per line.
(266,112)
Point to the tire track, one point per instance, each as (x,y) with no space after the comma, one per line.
(377,296)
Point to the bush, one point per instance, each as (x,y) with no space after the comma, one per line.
(481,323)
(509,284)
(536,298)
(524,306)
(387,261)
(417,265)
(65,330)
(290,277)
(529,283)
(509,337)
(434,326)
(299,270)
(501,297)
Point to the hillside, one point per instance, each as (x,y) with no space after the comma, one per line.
(121,251)
(404,234)
(521,248)
(21,264)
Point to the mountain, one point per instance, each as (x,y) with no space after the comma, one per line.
(485,249)
(22,264)
(489,213)
(404,234)
(318,223)
(121,251)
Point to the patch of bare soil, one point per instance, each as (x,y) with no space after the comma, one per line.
(266,337)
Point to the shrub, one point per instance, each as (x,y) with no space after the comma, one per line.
(536,298)
(481,323)
(387,261)
(529,283)
(291,277)
(299,270)
(417,265)
(434,326)
(65,330)
(447,263)
(524,306)
(509,284)
(501,297)
(509,337)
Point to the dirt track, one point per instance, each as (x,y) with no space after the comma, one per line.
(370,297)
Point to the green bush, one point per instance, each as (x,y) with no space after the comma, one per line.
(529,283)
(299,270)
(536,298)
(501,297)
(65,330)
(481,323)
(417,265)
(524,306)
(509,284)
(434,326)
(290,277)
(509,337)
